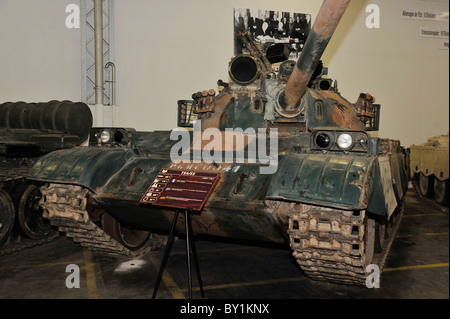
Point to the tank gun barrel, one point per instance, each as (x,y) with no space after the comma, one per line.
(324,26)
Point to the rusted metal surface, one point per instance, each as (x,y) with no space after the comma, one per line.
(389,146)
(255,51)
(342,112)
(204,103)
(219,108)
(363,106)
(324,26)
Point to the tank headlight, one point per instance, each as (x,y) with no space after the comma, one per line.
(323,140)
(105,136)
(345,141)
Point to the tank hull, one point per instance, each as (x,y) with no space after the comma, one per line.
(243,203)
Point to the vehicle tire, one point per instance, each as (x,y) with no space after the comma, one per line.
(29,214)
(426,185)
(441,191)
(131,238)
(6,216)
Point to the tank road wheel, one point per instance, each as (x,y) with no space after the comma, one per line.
(425,185)
(441,191)
(29,214)
(130,238)
(6,216)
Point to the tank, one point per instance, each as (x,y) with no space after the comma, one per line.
(429,169)
(304,171)
(27,132)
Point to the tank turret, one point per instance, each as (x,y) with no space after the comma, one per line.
(294,98)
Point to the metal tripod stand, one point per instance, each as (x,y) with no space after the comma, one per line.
(189,245)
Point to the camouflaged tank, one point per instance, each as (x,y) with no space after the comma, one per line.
(429,165)
(321,183)
(27,132)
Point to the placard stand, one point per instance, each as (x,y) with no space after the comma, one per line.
(186,191)
(189,244)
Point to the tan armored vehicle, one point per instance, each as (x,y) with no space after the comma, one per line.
(429,164)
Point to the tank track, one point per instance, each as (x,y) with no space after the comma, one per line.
(16,244)
(428,201)
(66,208)
(328,244)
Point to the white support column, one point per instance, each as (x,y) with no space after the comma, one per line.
(98,98)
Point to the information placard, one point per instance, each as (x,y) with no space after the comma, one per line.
(182,189)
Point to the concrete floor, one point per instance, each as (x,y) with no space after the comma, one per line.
(417,267)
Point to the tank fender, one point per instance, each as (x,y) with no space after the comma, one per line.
(322,179)
(343,182)
(85,166)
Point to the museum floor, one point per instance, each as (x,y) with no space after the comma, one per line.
(417,267)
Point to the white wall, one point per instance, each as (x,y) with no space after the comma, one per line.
(167,50)
(40,59)
(408,74)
